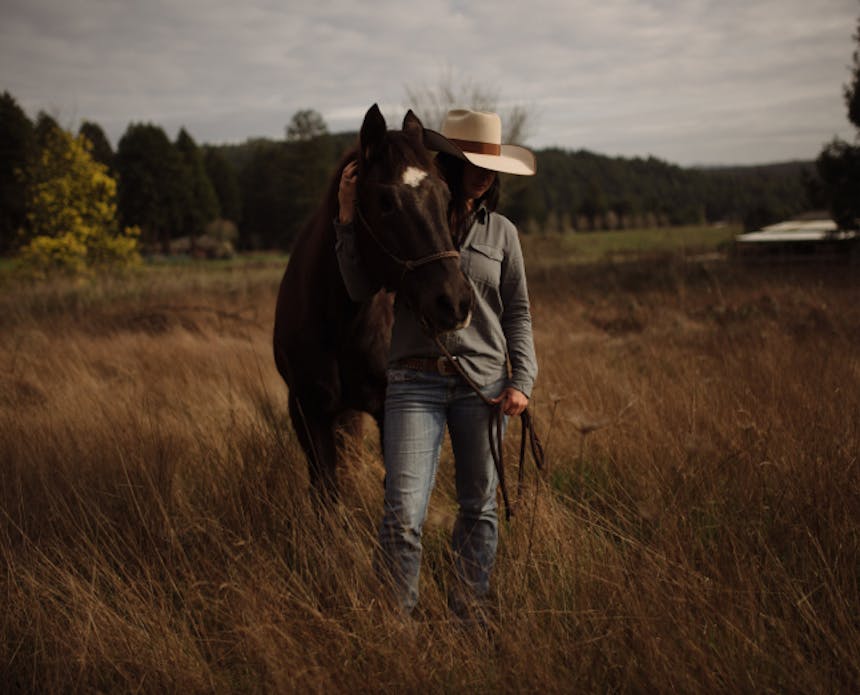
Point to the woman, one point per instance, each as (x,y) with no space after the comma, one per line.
(424,393)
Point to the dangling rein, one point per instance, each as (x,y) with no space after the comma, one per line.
(494,432)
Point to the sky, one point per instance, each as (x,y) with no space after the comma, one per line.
(688,81)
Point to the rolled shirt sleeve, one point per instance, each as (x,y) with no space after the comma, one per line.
(516,316)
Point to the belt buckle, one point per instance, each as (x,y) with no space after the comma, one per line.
(443,366)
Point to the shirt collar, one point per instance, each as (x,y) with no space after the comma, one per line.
(479,216)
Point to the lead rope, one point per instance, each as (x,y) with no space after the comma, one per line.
(495,437)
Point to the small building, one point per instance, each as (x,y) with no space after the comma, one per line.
(805,238)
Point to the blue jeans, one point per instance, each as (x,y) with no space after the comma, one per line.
(418,405)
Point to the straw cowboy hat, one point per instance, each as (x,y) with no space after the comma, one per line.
(477,137)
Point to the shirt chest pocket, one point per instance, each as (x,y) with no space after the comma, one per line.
(485,264)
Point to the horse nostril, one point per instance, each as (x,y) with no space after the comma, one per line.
(444,305)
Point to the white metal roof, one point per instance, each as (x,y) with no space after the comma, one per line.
(802,226)
(797,230)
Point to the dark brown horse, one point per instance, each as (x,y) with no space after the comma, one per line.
(331,351)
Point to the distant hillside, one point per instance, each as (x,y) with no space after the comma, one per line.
(759,195)
(586,190)
(579,190)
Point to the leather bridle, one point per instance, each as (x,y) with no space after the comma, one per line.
(406,263)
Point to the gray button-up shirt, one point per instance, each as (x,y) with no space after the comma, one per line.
(501,326)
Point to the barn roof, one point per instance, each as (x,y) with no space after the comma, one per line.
(796,230)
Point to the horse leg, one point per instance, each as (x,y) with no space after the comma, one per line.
(316,433)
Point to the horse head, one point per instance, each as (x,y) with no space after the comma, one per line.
(402,223)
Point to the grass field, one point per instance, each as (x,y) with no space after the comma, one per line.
(628,244)
(697,531)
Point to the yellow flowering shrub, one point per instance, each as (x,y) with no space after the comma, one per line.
(72,213)
(45,255)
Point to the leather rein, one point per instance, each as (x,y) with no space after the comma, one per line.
(494,433)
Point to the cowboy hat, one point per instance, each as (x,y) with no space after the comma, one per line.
(477,137)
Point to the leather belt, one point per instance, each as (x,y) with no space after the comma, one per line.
(436,365)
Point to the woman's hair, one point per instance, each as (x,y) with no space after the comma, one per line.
(451,168)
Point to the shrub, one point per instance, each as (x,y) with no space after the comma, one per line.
(72,212)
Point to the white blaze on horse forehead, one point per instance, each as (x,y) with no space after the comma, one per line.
(413,176)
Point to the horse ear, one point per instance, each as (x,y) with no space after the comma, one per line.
(412,125)
(372,131)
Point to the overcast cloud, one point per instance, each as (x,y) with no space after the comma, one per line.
(690,81)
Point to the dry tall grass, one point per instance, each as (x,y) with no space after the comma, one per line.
(698,529)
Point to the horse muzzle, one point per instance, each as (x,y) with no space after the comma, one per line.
(448,309)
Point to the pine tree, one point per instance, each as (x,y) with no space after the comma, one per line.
(226,184)
(46,127)
(310,158)
(268,219)
(151,192)
(852,91)
(17,148)
(201,203)
(102,151)
(839,168)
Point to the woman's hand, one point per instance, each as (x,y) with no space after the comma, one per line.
(513,401)
(346,193)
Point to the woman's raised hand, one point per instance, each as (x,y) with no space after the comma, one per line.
(346,193)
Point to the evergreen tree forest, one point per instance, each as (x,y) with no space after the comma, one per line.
(268,188)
